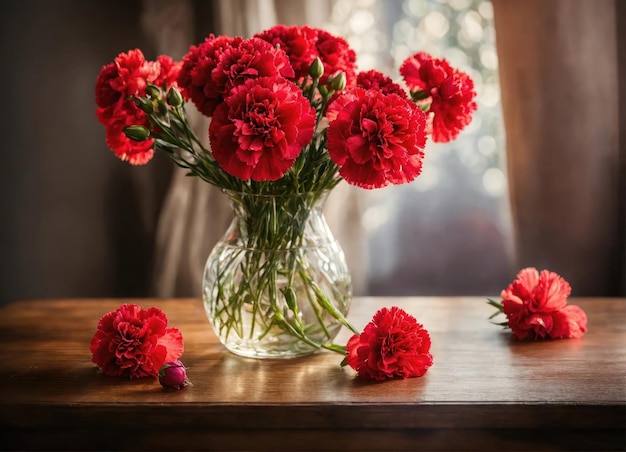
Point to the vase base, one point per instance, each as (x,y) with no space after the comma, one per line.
(279,347)
(262,353)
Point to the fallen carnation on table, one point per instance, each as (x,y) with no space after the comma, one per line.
(290,115)
(535,305)
(393,344)
(134,342)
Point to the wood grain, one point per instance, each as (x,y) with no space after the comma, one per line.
(484,391)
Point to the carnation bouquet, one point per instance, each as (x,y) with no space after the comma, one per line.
(291,117)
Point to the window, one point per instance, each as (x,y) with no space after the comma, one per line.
(449,231)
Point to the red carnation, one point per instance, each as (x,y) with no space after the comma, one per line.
(303,44)
(124,148)
(376,139)
(127,76)
(451,93)
(337,56)
(298,42)
(106,95)
(378,81)
(117,84)
(422,72)
(195,78)
(135,343)
(260,129)
(252,58)
(393,344)
(168,72)
(536,307)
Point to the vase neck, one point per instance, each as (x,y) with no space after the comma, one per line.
(278,222)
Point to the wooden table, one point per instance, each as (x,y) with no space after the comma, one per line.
(484,391)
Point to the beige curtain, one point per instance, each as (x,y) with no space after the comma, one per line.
(195,214)
(561,82)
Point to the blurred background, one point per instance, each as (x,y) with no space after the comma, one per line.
(537,179)
(448,232)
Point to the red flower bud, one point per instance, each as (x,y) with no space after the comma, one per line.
(174,375)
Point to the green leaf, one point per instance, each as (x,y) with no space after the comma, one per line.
(290,298)
(495,304)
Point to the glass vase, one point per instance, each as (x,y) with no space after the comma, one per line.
(276,285)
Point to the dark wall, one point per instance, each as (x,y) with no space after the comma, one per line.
(75,220)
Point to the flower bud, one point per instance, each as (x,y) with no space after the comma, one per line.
(173,375)
(137,133)
(161,107)
(338,81)
(174,98)
(144,104)
(316,70)
(153,91)
(419,95)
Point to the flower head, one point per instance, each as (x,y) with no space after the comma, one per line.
(337,56)
(212,69)
(536,307)
(260,129)
(117,84)
(173,374)
(393,344)
(297,42)
(168,71)
(134,342)
(450,91)
(376,139)
(376,80)
(195,77)
(251,59)
(128,75)
(303,44)
(106,94)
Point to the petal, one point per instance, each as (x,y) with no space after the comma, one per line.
(569,322)
(172,340)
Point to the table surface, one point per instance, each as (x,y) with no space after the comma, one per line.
(485,390)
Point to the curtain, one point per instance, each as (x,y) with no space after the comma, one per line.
(561,84)
(195,214)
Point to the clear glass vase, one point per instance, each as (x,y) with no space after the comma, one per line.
(276,285)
